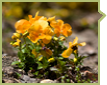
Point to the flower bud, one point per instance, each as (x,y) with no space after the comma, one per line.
(51,60)
(40,58)
(55,38)
(16,36)
(75,60)
(17,43)
(25,34)
(62,38)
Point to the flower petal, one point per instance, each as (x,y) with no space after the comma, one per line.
(70,44)
(51,19)
(82,44)
(67,53)
(49,52)
(45,41)
(60,22)
(75,40)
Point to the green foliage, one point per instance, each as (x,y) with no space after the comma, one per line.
(18,75)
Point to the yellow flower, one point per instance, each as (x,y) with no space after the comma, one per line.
(61,28)
(17,43)
(72,48)
(16,36)
(51,60)
(67,53)
(46,52)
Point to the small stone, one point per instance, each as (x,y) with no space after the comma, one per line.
(9,70)
(56,81)
(72,81)
(47,81)
(26,78)
(30,74)
(22,81)
(32,80)
(8,81)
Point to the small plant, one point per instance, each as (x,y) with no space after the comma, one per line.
(41,50)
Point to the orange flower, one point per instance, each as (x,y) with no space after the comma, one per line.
(47,35)
(50,19)
(22,26)
(32,20)
(61,28)
(72,47)
(36,30)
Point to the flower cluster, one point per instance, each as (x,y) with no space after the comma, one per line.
(41,28)
(40,43)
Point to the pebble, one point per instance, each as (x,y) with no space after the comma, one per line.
(72,81)
(9,70)
(8,81)
(26,78)
(47,81)
(30,80)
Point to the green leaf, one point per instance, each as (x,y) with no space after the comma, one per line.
(77,69)
(21,65)
(19,54)
(23,50)
(60,58)
(67,80)
(63,77)
(40,65)
(31,68)
(62,63)
(38,48)
(45,62)
(81,58)
(18,75)
(61,43)
(36,73)
(15,62)
(46,73)
(31,47)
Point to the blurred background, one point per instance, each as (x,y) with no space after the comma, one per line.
(82,16)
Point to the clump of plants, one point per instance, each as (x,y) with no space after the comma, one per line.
(41,50)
